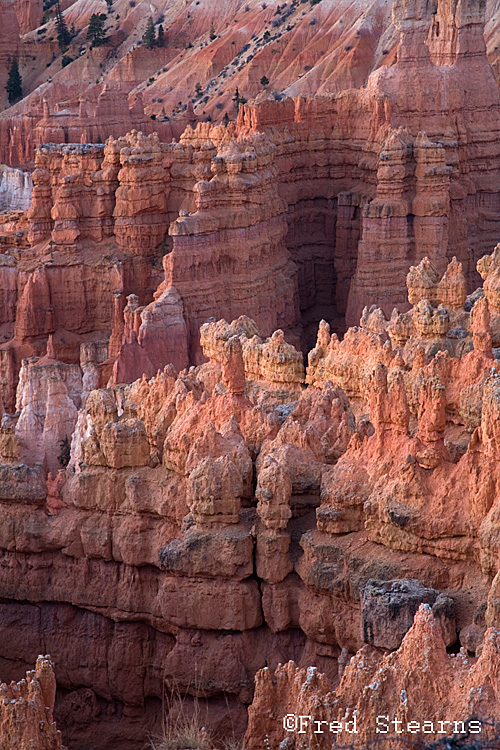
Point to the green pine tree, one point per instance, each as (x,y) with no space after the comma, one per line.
(149,37)
(63,35)
(161,36)
(238,99)
(14,85)
(95,32)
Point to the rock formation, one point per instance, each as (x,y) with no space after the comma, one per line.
(417,693)
(15,189)
(26,713)
(184,502)
(233,499)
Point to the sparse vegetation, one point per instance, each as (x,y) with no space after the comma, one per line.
(238,99)
(14,85)
(66,60)
(149,36)
(63,35)
(65,454)
(95,32)
(213,35)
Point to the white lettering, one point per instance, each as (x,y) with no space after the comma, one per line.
(304,722)
(318,729)
(351,727)
(382,724)
(335,727)
(475,727)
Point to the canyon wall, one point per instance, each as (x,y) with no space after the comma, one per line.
(417,687)
(319,205)
(183,503)
(385,177)
(248,512)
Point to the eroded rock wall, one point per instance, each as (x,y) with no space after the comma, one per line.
(396,163)
(214,520)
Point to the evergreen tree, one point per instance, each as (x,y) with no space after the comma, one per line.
(63,35)
(14,85)
(213,35)
(65,454)
(264,81)
(226,119)
(238,99)
(95,32)
(161,36)
(149,37)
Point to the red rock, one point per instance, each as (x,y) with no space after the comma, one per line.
(26,718)
(393,687)
(239,509)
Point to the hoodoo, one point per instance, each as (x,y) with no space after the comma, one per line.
(249,387)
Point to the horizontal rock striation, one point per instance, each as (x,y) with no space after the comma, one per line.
(231,518)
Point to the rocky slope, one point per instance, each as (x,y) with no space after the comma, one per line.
(300,201)
(298,47)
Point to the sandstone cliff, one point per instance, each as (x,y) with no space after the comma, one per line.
(409,695)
